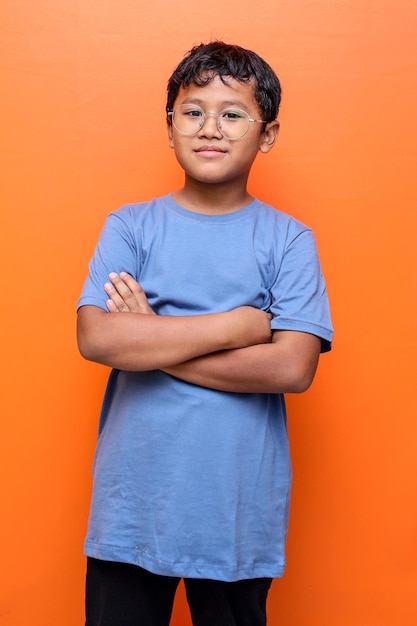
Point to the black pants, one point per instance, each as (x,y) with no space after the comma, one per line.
(118,594)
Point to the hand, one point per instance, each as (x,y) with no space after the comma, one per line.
(126,295)
(251,326)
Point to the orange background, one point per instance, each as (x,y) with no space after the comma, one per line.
(82,113)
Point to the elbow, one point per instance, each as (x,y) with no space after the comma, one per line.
(97,353)
(300,385)
(86,352)
(297,357)
(301,379)
(91,339)
(88,349)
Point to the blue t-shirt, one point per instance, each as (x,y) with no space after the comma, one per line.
(189,481)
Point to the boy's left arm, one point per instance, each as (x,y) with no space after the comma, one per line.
(286,365)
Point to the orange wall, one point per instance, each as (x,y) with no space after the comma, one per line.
(82,101)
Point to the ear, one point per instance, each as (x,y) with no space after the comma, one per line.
(269,136)
(170,133)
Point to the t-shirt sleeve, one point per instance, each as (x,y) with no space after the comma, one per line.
(116,251)
(299,296)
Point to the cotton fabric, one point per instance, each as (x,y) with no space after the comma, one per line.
(189,481)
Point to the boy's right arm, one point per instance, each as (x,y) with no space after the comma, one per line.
(139,342)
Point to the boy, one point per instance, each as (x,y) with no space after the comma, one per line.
(209,305)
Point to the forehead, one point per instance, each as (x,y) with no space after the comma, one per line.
(219,94)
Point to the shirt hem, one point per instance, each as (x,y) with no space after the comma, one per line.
(183,569)
(325,334)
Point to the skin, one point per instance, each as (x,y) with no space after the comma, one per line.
(233,351)
(284,364)
(217,169)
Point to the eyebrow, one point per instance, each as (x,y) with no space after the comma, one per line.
(222,104)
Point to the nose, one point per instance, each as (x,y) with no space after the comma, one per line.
(210,127)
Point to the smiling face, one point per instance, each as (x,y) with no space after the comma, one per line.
(207,156)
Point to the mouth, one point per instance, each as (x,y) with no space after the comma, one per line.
(210,151)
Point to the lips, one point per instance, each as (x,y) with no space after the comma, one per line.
(209,151)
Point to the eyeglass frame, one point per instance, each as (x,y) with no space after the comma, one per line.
(218,123)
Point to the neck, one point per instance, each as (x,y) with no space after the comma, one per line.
(212,199)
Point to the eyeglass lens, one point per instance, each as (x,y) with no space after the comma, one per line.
(188,119)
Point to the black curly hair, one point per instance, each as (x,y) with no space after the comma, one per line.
(205,61)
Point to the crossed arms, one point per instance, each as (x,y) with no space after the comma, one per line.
(232,351)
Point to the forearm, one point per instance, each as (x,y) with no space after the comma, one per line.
(278,367)
(138,342)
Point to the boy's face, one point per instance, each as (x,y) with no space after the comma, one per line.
(207,156)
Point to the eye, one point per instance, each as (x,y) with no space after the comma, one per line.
(191,111)
(233,114)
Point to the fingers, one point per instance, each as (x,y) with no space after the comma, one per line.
(121,296)
(116,303)
(126,295)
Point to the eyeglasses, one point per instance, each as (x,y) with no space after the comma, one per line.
(189,119)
